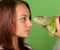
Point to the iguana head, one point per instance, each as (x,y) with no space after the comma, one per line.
(48,23)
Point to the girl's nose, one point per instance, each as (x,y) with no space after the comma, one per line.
(29,23)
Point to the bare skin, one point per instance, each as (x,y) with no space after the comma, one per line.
(57,34)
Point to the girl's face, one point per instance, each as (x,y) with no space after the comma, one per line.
(23,23)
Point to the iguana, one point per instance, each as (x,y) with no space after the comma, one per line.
(48,23)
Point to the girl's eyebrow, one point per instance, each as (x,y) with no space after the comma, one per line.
(25,15)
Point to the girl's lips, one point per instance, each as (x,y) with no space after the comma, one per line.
(27,30)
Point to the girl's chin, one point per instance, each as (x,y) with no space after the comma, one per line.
(24,36)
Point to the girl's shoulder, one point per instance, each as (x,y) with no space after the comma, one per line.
(27,46)
(1,47)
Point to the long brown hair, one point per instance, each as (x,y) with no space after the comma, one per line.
(8,22)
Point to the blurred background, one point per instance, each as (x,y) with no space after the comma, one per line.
(39,39)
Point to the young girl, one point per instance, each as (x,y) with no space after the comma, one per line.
(15,23)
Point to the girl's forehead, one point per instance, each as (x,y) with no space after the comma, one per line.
(20,4)
(22,9)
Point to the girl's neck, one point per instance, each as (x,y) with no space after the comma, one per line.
(15,43)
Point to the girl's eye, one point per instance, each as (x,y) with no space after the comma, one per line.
(23,19)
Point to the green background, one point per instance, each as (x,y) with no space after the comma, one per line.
(39,39)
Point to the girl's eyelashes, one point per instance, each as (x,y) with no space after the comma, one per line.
(23,19)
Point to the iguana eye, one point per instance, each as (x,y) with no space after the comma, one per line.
(38,18)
